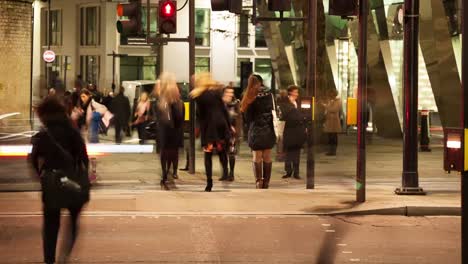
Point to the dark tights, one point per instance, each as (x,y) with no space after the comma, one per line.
(223,159)
(51,228)
(169,157)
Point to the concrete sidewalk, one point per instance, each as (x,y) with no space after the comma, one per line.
(327,199)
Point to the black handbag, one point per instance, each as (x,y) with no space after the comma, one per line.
(59,190)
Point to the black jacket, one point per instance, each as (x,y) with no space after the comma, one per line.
(120,107)
(171,125)
(294,134)
(70,140)
(213,117)
(259,119)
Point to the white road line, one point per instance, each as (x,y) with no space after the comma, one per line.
(330,231)
(347,252)
(341,245)
(326,225)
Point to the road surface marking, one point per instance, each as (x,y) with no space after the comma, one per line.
(354,260)
(326,225)
(330,231)
(341,245)
(346,252)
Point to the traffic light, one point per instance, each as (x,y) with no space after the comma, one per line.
(344,8)
(233,6)
(167,16)
(279,5)
(130,27)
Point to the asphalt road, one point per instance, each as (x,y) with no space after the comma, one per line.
(243,239)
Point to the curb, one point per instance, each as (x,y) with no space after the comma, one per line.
(408,211)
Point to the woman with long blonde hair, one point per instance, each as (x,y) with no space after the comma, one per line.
(170,116)
(141,116)
(214,123)
(257,106)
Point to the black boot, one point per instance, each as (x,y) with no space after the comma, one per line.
(257,168)
(223,159)
(288,169)
(232,164)
(186,168)
(266,174)
(296,171)
(164,169)
(208,171)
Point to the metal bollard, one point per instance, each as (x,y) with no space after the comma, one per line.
(424,140)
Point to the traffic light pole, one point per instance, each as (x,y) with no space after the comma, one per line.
(410,177)
(311,81)
(192,84)
(464,121)
(115,55)
(362,103)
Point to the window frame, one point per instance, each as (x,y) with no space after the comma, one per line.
(84,28)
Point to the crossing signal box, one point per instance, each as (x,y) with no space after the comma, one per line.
(233,6)
(167,16)
(279,5)
(344,8)
(131,26)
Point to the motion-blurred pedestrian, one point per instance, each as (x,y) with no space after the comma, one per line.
(170,117)
(233,109)
(294,133)
(120,107)
(141,116)
(332,125)
(214,123)
(91,113)
(59,156)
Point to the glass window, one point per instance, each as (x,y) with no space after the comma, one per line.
(202,27)
(259,36)
(243,32)
(202,64)
(138,68)
(55,27)
(263,68)
(153,20)
(90,24)
(239,61)
(89,68)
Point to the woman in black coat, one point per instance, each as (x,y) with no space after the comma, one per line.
(170,116)
(214,123)
(59,146)
(257,106)
(294,133)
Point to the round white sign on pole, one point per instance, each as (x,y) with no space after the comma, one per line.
(48,56)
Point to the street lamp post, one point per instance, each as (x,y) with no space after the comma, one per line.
(464,123)
(410,177)
(311,81)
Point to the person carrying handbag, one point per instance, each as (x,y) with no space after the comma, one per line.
(60,159)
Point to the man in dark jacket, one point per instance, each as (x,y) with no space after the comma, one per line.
(120,107)
(294,133)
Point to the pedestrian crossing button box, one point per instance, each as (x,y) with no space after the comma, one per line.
(453,151)
(306,107)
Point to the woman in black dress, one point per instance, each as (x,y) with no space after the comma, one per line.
(257,106)
(170,116)
(214,123)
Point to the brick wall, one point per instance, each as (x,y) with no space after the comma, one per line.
(15,57)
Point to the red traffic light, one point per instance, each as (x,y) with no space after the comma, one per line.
(168,9)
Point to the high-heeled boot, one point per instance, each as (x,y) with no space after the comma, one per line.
(232,164)
(224,165)
(257,169)
(208,171)
(266,174)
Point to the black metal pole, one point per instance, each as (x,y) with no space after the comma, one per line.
(49,36)
(192,84)
(31,112)
(464,121)
(362,103)
(311,78)
(65,74)
(410,181)
(113,71)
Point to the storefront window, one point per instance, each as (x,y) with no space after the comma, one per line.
(138,68)
(263,68)
(259,36)
(90,26)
